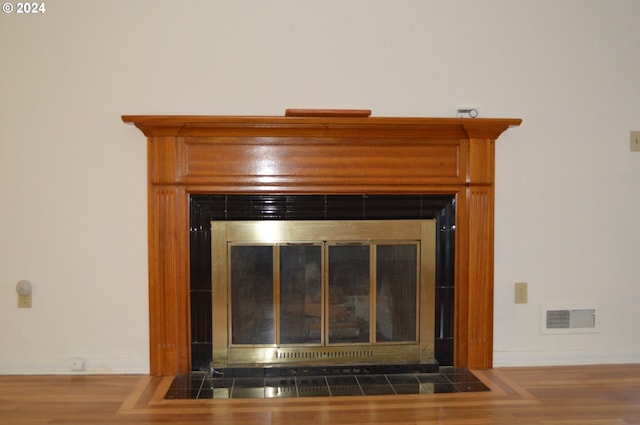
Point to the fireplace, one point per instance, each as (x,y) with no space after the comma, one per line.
(208,210)
(335,155)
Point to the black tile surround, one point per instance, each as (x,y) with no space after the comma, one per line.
(203,385)
(206,208)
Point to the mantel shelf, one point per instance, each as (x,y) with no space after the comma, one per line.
(204,125)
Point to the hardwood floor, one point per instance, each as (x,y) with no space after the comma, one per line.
(598,395)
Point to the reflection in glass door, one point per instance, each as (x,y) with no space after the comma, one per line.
(349,293)
(300,294)
(252,294)
(396,292)
(288,307)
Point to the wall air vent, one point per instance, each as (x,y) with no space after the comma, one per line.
(569,319)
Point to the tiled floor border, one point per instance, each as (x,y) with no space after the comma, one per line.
(148,398)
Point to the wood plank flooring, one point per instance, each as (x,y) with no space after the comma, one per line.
(597,395)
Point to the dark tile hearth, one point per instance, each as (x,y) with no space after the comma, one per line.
(202,385)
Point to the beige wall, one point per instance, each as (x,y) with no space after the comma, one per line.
(567,197)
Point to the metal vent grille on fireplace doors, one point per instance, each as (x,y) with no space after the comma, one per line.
(569,319)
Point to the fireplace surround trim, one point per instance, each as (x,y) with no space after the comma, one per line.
(312,155)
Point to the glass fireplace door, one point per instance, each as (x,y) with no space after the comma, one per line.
(327,295)
(301,297)
(252,285)
(349,293)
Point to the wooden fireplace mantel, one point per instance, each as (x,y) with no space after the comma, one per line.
(313,155)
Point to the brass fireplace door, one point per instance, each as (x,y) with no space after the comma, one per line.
(323,292)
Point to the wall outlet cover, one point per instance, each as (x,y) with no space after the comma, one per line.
(635,141)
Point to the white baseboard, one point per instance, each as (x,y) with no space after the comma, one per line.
(140,365)
(62,366)
(564,358)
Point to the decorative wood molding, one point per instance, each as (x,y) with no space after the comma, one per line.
(353,113)
(318,154)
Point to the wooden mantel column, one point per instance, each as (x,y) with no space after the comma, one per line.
(330,154)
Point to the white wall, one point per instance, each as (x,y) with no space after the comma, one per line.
(567,203)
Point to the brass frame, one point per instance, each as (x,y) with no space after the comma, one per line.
(225,233)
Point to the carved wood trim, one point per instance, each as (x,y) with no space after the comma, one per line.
(480,282)
(330,155)
(168,280)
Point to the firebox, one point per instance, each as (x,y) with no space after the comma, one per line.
(322,292)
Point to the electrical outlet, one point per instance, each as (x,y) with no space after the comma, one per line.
(635,141)
(521,296)
(24,301)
